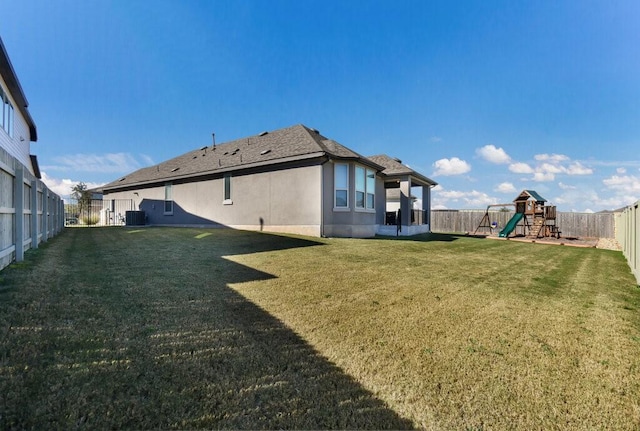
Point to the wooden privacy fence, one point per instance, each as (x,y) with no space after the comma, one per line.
(585,225)
(628,235)
(29,212)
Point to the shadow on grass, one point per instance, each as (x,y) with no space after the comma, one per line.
(429,237)
(128,340)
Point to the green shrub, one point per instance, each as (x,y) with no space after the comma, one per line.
(89,219)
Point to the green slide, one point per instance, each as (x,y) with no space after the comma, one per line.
(511,225)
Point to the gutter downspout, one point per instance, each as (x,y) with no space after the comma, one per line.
(322,167)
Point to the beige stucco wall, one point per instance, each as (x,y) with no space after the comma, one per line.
(293,200)
(285,200)
(351,222)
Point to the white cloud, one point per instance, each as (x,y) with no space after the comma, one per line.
(62,187)
(564,186)
(505,188)
(435,139)
(548,168)
(520,168)
(550,165)
(621,171)
(588,210)
(577,168)
(494,155)
(99,163)
(457,199)
(452,166)
(553,158)
(543,176)
(618,201)
(626,183)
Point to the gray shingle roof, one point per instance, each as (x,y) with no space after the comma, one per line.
(289,144)
(394,167)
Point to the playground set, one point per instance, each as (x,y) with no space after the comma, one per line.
(532,218)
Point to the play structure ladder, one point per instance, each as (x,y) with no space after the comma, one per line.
(538,225)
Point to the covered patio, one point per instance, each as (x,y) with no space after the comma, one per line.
(407,199)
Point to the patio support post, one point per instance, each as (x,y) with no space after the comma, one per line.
(426,203)
(405,202)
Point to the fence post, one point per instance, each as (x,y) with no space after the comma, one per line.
(18,204)
(61,213)
(34,214)
(45,214)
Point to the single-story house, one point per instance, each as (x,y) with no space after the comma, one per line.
(291,180)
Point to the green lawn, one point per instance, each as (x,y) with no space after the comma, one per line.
(195,328)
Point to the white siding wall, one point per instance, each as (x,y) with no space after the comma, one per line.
(18,149)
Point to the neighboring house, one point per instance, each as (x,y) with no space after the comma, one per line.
(29,212)
(16,123)
(291,180)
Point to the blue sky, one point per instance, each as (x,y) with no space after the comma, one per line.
(487,98)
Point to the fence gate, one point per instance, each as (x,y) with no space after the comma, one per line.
(96,212)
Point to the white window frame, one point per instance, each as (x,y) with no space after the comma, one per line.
(6,113)
(227,183)
(369,192)
(168,198)
(3,109)
(364,188)
(336,189)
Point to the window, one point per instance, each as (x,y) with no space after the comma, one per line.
(371,189)
(365,188)
(6,111)
(10,120)
(3,109)
(341,185)
(360,186)
(168,199)
(227,190)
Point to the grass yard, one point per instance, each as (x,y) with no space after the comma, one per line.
(193,328)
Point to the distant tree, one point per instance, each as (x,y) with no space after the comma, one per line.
(504,210)
(83,196)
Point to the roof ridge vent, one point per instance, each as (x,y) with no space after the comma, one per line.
(316,131)
(262,153)
(397,160)
(263,133)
